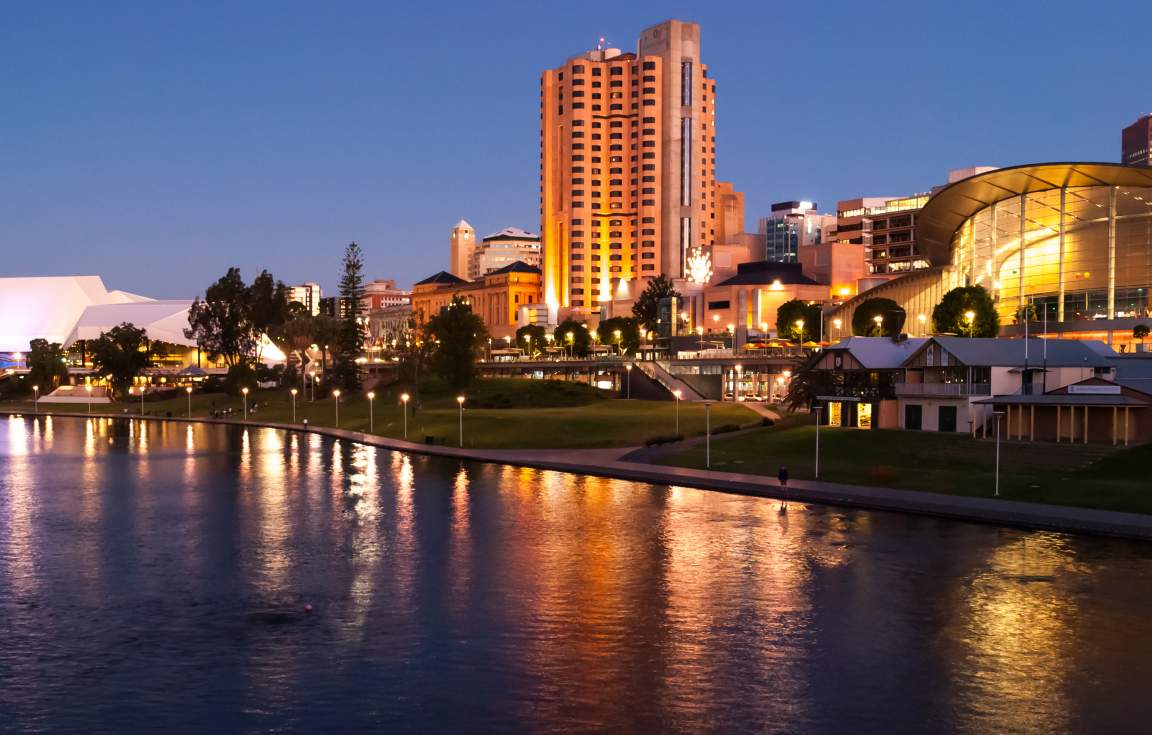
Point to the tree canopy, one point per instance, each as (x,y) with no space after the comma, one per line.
(458,335)
(628,341)
(46,365)
(646,309)
(351,333)
(790,312)
(536,341)
(228,322)
(865,323)
(120,354)
(580,341)
(950,316)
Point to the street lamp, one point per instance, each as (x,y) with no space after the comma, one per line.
(837,323)
(879,319)
(141,400)
(970,317)
(187,390)
(527,344)
(244,391)
(700,331)
(89,389)
(571,345)
(371,412)
(997,415)
(36,399)
(628,371)
(737,374)
(460,402)
(619,344)
(404,400)
(293,392)
(336,395)
(818,410)
(708,435)
(678,394)
(800,332)
(923,319)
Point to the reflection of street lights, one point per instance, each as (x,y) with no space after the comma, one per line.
(404,400)
(293,392)
(371,413)
(245,392)
(678,394)
(187,390)
(336,395)
(460,402)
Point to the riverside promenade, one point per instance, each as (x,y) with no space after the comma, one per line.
(613,463)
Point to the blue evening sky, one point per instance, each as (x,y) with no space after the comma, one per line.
(157,144)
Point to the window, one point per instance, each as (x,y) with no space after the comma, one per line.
(685,83)
(717,305)
(649,66)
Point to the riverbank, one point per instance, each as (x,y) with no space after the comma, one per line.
(607,463)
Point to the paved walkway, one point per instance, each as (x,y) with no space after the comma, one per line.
(607,463)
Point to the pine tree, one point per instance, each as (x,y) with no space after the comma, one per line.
(350,341)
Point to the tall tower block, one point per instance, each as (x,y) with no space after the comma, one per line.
(462,246)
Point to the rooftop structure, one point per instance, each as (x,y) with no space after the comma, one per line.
(1136,143)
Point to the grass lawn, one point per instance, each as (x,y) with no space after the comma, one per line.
(1089,476)
(498,414)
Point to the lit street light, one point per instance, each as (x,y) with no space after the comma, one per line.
(187,391)
(737,374)
(371,412)
(708,435)
(837,323)
(678,394)
(628,370)
(997,415)
(244,391)
(970,317)
(293,392)
(404,400)
(923,319)
(460,402)
(36,399)
(89,389)
(818,410)
(141,400)
(336,395)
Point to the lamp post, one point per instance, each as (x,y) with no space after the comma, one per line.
(404,401)
(141,400)
(336,395)
(371,412)
(36,399)
(837,323)
(700,331)
(244,392)
(818,409)
(571,345)
(460,403)
(677,394)
(923,319)
(737,374)
(293,393)
(708,435)
(527,345)
(879,319)
(187,391)
(619,343)
(89,389)
(970,318)
(800,333)
(997,415)
(628,372)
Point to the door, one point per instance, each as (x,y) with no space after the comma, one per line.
(947,418)
(913,417)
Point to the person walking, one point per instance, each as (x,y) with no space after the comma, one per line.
(782,476)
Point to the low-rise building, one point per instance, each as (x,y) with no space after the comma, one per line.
(496,297)
(381,294)
(307,295)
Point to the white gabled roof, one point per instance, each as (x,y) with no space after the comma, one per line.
(163,320)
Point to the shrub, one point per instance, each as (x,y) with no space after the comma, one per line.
(663,439)
(726,428)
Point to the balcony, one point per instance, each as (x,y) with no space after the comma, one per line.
(942,390)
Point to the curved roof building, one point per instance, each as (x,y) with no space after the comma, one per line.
(1070,241)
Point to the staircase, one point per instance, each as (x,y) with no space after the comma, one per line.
(661,375)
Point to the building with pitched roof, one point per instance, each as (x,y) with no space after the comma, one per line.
(497,297)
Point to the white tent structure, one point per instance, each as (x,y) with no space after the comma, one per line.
(66,308)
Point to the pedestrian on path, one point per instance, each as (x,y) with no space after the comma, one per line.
(782,476)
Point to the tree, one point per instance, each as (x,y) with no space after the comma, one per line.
(620,332)
(458,336)
(47,366)
(220,324)
(891,321)
(580,343)
(1140,332)
(350,339)
(267,305)
(646,309)
(951,315)
(790,312)
(120,354)
(536,341)
(801,386)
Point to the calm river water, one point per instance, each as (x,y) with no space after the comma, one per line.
(155,578)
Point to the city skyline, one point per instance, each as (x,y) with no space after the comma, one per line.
(270,142)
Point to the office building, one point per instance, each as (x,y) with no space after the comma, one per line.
(886,228)
(791,226)
(308,295)
(503,248)
(381,294)
(1136,143)
(627,167)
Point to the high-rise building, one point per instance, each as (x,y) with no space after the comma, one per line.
(502,248)
(1136,143)
(463,244)
(792,226)
(627,164)
(308,295)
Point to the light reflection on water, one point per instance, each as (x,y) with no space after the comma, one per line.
(154,578)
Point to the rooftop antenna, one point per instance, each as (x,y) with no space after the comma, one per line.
(602,43)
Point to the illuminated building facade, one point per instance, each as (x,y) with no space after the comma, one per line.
(886,228)
(496,297)
(627,167)
(461,248)
(1136,143)
(792,226)
(503,248)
